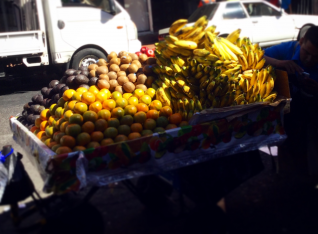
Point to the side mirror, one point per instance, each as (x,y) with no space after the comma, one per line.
(112,7)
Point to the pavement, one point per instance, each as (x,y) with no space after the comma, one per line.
(268,203)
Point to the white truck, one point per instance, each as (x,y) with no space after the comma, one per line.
(74,33)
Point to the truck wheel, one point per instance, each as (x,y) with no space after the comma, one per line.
(86,57)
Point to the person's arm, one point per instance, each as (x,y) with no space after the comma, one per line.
(290,66)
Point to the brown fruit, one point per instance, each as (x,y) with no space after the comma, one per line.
(149,81)
(113,84)
(92,73)
(129,87)
(125,60)
(143,58)
(112,75)
(104,77)
(122,80)
(114,61)
(124,67)
(122,53)
(137,63)
(114,67)
(121,73)
(102,70)
(132,77)
(133,56)
(147,69)
(141,86)
(92,67)
(101,62)
(133,68)
(103,84)
(111,55)
(151,61)
(141,79)
(119,89)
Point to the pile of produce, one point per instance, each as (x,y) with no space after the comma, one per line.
(102,104)
(193,63)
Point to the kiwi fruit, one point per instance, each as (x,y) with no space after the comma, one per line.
(141,79)
(69,81)
(103,84)
(92,73)
(133,56)
(70,72)
(63,79)
(104,77)
(122,53)
(129,87)
(121,73)
(133,68)
(62,90)
(92,81)
(111,55)
(147,69)
(141,86)
(122,80)
(92,67)
(101,62)
(124,67)
(112,75)
(143,58)
(81,79)
(43,91)
(125,60)
(102,70)
(137,63)
(113,84)
(114,61)
(119,88)
(132,77)
(151,61)
(114,67)
(84,86)
(53,83)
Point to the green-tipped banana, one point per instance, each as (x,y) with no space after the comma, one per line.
(201,52)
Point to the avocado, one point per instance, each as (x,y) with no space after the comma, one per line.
(26,106)
(58,87)
(53,83)
(92,81)
(34,97)
(39,99)
(43,102)
(56,97)
(81,79)
(83,68)
(63,89)
(69,81)
(77,72)
(49,93)
(70,72)
(20,118)
(24,114)
(43,91)
(34,108)
(30,118)
(63,79)
(30,126)
(48,103)
(84,85)
(24,122)
(85,73)
(41,108)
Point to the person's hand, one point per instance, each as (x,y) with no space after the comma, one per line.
(310,85)
(290,66)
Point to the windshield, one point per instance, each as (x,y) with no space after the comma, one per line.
(208,10)
(101,4)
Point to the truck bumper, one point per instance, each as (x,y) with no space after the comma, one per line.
(134,46)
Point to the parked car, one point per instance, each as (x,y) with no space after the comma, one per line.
(261,21)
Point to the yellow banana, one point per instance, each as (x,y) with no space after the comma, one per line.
(193,70)
(249,93)
(211,29)
(240,98)
(243,62)
(186,44)
(184,32)
(190,36)
(260,54)
(197,106)
(175,68)
(210,86)
(201,21)
(210,37)
(233,36)
(236,50)
(185,71)
(177,25)
(200,68)
(257,87)
(201,52)
(260,64)
(169,71)
(263,89)
(254,77)
(224,101)
(251,99)
(181,83)
(171,39)
(271,97)
(269,87)
(239,42)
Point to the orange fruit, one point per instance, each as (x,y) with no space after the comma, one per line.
(116,95)
(88,98)
(121,102)
(63,149)
(57,136)
(50,121)
(83,139)
(53,108)
(90,116)
(93,89)
(107,141)
(155,105)
(71,105)
(133,101)
(171,126)
(113,122)
(49,130)
(36,131)
(79,148)
(77,96)
(63,126)
(68,141)
(54,123)
(68,94)
(81,90)
(175,118)
(150,124)
(104,114)
(93,144)
(43,125)
(145,99)
(37,122)
(118,112)
(110,132)
(80,107)
(50,143)
(127,95)
(33,129)
(146,132)
(61,102)
(40,134)
(139,93)
(140,117)
(165,111)
(162,121)
(88,127)
(183,123)
(127,120)
(142,107)
(101,125)
(136,127)
(101,97)
(153,114)
(55,147)
(76,119)
(59,123)
(59,112)
(95,106)
(130,110)
(124,130)
(45,114)
(108,93)
(68,114)
(134,135)
(151,92)
(73,130)
(120,138)
(109,104)
(44,138)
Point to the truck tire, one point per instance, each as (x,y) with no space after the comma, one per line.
(86,57)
